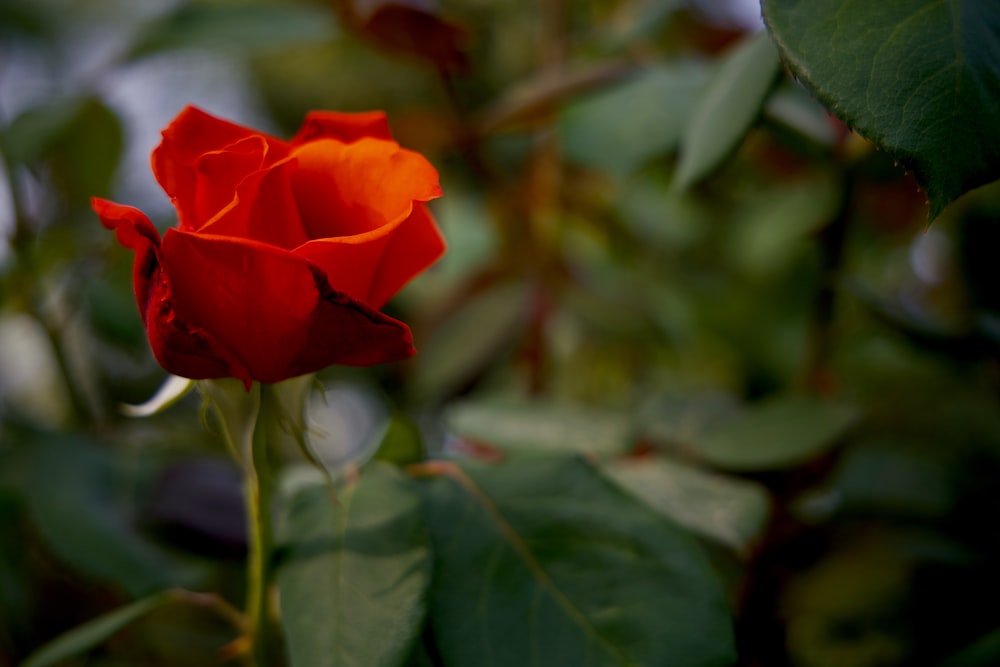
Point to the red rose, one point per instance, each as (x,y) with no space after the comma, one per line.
(285,251)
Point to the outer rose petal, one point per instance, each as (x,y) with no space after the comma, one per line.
(192,134)
(373,267)
(354,200)
(416,245)
(346,127)
(179,348)
(273,310)
(134,231)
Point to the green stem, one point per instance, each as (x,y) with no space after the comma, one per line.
(261,538)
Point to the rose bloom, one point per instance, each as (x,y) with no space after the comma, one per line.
(285,251)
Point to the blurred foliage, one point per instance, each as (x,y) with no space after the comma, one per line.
(694,358)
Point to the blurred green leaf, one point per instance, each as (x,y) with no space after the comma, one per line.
(793,107)
(111,310)
(919,79)
(537,98)
(676,419)
(35,129)
(469,341)
(235,26)
(638,20)
(520,424)
(80,140)
(728,510)
(778,222)
(354,571)
(75,499)
(846,609)
(618,130)
(16,584)
(726,108)
(402,443)
(896,477)
(81,639)
(984,652)
(540,560)
(20,19)
(777,433)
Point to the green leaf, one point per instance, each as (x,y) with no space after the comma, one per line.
(74,500)
(920,79)
(93,633)
(983,652)
(728,510)
(541,425)
(354,571)
(620,129)
(542,561)
(235,26)
(726,109)
(778,223)
(896,477)
(469,341)
(777,433)
(402,443)
(80,140)
(792,107)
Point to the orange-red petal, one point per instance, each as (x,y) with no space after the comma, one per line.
(354,199)
(274,310)
(218,175)
(347,189)
(192,134)
(263,209)
(181,349)
(373,267)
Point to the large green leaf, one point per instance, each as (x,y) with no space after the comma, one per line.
(542,561)
(354,571)
(920,78)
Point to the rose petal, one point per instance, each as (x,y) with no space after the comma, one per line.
(218,175)
(274,310)
(348,332)
(263,209)
(416,244)
(347,189)
(180,349)
(347,127)
(189,136)
(134,231)
(373,267)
